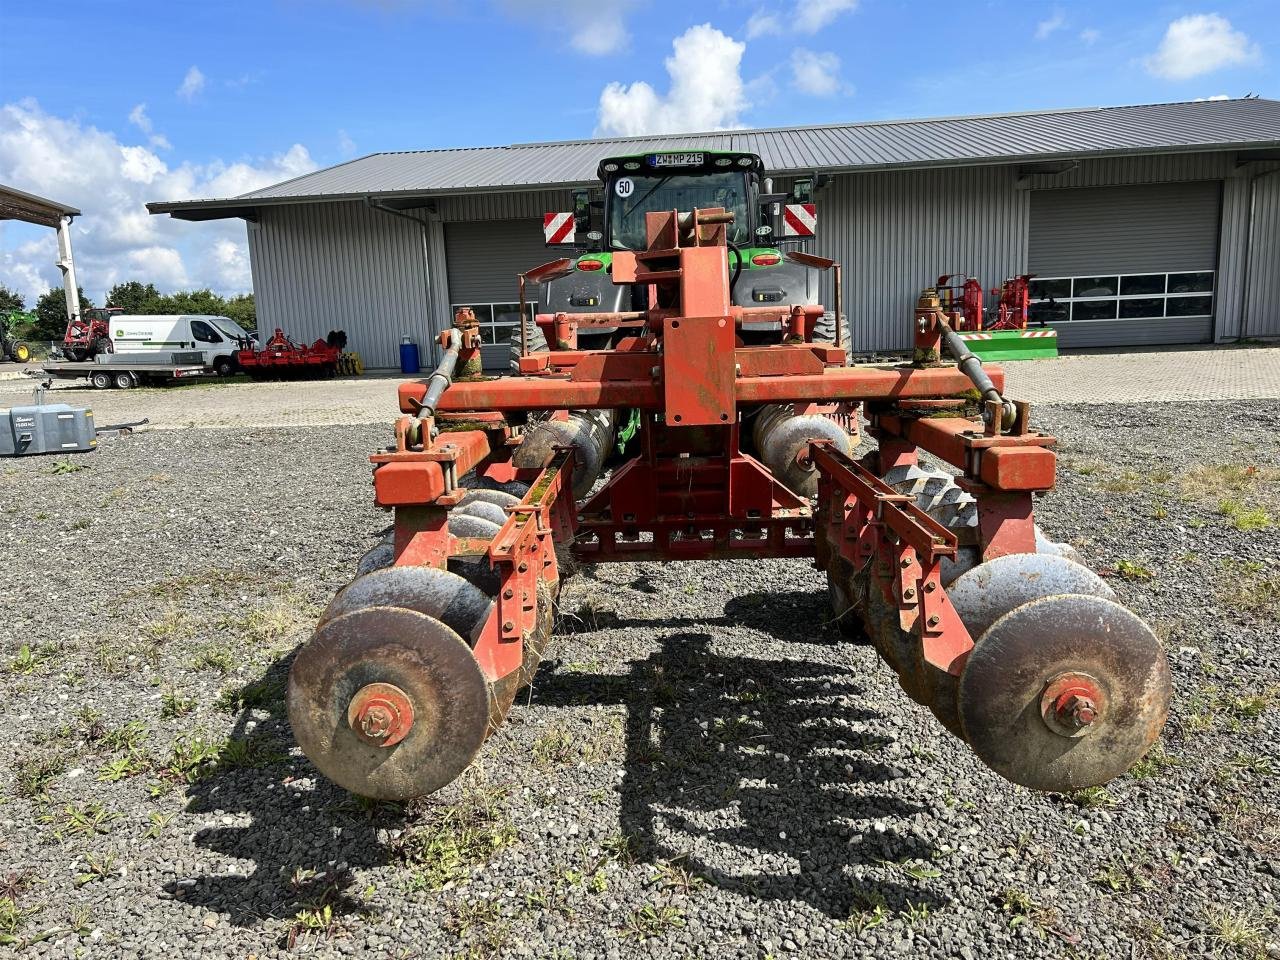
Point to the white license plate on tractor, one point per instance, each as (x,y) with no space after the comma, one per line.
(677,159)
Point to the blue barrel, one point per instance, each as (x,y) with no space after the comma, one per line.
(409,362)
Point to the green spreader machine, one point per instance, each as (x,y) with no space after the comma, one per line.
(1008,333)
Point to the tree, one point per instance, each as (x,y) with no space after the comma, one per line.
(188,301)
(133,296)
(9,300)
(242,310)
(51,314)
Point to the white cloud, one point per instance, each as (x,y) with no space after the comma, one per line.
(138,117)
(1216,96)
(706,91)
(1200,44)
(595,28)
(346,146)
(110,180)
(810,16)
(192,84)
(815,73)
(1046,28)
(1090,35)
(761,24)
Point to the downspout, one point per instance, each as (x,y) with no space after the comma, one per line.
(426,251)
(1248,252)
(68,267)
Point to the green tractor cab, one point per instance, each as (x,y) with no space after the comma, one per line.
(763,232)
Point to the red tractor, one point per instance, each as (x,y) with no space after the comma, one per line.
(89,335)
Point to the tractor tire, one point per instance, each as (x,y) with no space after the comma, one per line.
(103,345)
(19,352)
(824,330)
(101,379)
(75,354)
(537,343)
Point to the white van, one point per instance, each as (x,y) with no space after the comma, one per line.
(218,338)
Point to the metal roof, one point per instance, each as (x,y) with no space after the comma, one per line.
(19,205)
(948,141)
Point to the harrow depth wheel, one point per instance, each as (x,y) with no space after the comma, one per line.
(388,703)
(1064,692)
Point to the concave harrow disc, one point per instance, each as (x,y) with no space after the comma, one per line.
(1064,692)
(360,655)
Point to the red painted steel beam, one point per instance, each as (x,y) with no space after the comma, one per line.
(1007,462)
(833,384)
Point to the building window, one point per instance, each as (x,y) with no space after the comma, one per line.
(1139,296)
(497,320)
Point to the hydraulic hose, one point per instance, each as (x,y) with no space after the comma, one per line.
(971,367)
(737,266)
(443,374)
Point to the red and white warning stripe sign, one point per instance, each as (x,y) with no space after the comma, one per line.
(799,219)
(558,227)
(1034,334)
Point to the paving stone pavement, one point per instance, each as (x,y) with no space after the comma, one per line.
(1119,376)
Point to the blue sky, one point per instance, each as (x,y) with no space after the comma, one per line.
(170,100)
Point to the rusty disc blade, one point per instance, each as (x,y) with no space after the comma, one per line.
(447,597)
(434,668)
(988,591)
(1017,659)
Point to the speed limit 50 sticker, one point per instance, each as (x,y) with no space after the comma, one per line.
(624,187)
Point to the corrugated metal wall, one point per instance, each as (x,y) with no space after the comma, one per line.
(894,233)
(324,266)
(1262,306)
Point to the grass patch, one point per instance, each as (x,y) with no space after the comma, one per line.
(173,704)
(651,921)
(12,919)
(1155,761)
(1250,587)
(34,775)
(193,758)
(213,657)
(1209,482)
(1022,908)
(1132,570)
(1241,930)
(257,695)
(459,839)
(66,466)
(1245,518)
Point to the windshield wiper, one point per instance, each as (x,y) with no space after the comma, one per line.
(647,194)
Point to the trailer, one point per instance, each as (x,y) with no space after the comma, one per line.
(125,371)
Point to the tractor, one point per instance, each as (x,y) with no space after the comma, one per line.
(696,410)
(90,334)
(10,346)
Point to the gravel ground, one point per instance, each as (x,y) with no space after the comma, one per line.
(700,770)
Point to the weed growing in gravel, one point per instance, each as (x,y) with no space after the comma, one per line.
(66,466)
(1243,931)
(216,582)
(461,838)
(466,915)
(1245,518)
(1127,482)
(96,869)
(913,869)
(129,737)
(194,758)
(651,921)
(121,768)
(1210,482)
(173,704)
(674,875)
(213,657)
(1119,876)
(1086,468)
(1131,570)
(1250,587)
(621,848)
(173,624)
(265,694)
(12,918)
(86,820)
(869,911)
(1156,760)
(1023,908)
(158,822)
(1092,798)
(35,773)
(28,660)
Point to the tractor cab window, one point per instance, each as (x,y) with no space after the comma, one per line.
(203,332)
(631,197)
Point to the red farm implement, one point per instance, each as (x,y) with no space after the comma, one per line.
(498,487)
(282,359)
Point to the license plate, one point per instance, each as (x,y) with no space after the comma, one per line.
(676,160)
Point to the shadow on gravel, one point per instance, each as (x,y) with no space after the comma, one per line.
(303,843)
(775,613)
(749,773)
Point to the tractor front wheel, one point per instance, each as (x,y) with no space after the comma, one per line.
(19,351)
